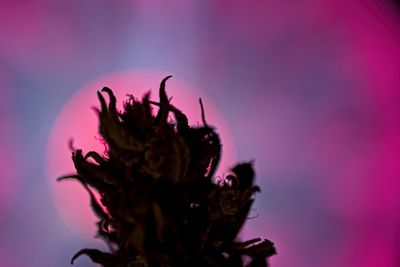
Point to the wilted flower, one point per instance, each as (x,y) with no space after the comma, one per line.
(159,205)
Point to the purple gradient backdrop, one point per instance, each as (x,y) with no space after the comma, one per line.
(310,90)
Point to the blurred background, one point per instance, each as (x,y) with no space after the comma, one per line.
(310,90)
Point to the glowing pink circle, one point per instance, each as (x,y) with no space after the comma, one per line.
(79,122)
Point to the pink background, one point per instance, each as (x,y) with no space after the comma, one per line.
(309,89)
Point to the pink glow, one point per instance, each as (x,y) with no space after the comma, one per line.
(78,121)
(349,148)
(363,186)
(373,58)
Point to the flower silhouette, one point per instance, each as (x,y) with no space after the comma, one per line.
(159,205)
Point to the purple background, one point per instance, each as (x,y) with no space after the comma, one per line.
(310,90)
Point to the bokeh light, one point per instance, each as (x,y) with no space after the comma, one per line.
(78,121)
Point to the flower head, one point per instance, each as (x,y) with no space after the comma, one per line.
(159,205)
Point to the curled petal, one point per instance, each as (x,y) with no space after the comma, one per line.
(96,256)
